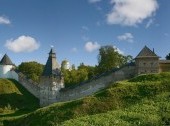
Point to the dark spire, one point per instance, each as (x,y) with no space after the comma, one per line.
(51,66)
(52,51)
(6,60)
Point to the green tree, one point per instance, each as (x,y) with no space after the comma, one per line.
(66,74)
(168,57)
(89,69)
(76,76)
(127,59)
(81,66)
(73,67)
(32,69)
(110,58)
(82,75)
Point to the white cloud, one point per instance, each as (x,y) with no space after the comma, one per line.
(149,23)
(118,50)
(74,49)
(94,1)
(126,37)
(22,44)
(4,20)
(92,46)
(131,12)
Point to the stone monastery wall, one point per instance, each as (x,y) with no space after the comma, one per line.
(81,90)
(29,84)
(51,90)
(95,85)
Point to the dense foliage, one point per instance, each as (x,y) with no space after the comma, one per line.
(110,58)
(76,76)
(133,102)
(32,70)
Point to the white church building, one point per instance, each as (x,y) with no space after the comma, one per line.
(7,68)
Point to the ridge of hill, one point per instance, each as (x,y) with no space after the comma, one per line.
(143,100)
(15,100)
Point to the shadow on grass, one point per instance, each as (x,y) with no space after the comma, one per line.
(20,103)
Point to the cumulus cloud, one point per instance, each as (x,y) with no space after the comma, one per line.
(92,46)
(22,44)
(94,1)
(126,37)
(131,12)
(4,20)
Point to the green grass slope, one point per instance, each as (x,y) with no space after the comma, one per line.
(15,100)
(148,112)
(144,100)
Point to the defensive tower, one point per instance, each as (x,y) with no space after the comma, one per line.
(51,80)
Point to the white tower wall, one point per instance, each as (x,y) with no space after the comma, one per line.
(66,65)
(5,72)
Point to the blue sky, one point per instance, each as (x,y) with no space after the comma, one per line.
(77,28)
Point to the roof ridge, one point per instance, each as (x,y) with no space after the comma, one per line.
(6,60)
(146,52)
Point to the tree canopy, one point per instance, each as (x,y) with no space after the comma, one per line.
(110,58)
(32,69)
(76,76)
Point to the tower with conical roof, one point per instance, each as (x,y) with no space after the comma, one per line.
(51,80)
(7,68)
(147,61)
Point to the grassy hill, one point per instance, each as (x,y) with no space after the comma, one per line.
(144,100)
(15,100)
